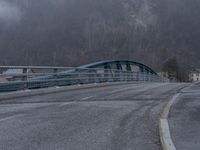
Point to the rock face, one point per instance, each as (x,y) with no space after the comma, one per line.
(73,32)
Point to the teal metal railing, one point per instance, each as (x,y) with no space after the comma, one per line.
(13,78)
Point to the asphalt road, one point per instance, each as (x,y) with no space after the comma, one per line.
(120,117)
(184,119)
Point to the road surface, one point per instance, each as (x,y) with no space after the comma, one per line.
(184,119)
(120,117)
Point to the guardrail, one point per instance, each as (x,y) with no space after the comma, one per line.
(14,78)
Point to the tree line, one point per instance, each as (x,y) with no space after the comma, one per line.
(75,32)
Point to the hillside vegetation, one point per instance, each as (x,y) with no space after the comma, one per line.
(74,32)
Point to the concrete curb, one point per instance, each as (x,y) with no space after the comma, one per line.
(165,137)
(164,131)
(28,93)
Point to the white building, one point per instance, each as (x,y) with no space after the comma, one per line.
(194,75)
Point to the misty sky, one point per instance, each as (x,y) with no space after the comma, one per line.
(9,13)
(73,32)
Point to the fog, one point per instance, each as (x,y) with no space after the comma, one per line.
(75,32)
(9,13)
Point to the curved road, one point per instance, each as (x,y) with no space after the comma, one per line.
(184,119)
(120,117)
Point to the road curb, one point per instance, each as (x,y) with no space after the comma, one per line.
(164,131)
(165,137)
(29,93)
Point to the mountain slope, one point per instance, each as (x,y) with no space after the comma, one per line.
(74,32)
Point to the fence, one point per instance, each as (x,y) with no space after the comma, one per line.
(14,78)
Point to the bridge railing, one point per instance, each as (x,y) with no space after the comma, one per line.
(22,77)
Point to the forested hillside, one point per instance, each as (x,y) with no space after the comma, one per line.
(74,32)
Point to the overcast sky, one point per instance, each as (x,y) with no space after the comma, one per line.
(9,13)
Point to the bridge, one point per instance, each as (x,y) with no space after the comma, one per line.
(108,105)
(13,78)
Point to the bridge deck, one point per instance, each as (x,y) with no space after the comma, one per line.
(104,118)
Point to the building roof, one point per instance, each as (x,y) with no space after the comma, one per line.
(197,70)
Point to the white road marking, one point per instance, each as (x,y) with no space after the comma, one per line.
(86,98)
(11,117)
(68,103)
(63,104)
(120,90)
